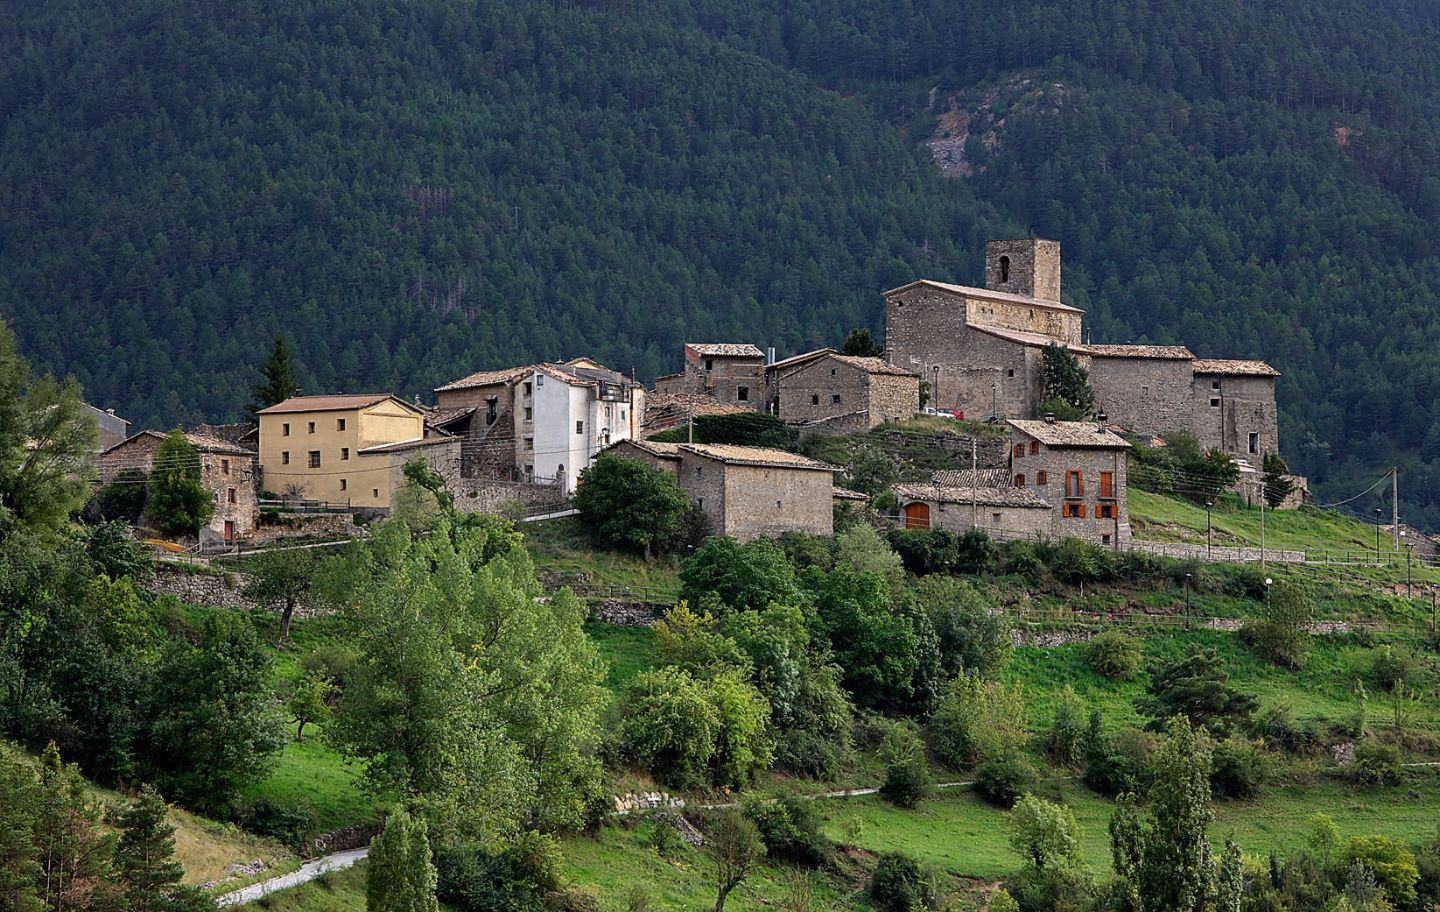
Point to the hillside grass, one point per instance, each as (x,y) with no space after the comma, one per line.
(333,891)
(562,549)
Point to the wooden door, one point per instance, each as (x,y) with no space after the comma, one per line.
(917,516)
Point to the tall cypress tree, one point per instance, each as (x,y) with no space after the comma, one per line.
(278,381)
(399,876)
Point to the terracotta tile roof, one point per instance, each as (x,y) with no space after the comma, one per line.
(845,494)
(967,478)
(237,433)
(202,442)
(1039,340)
(653,447)
(332,403)
(1163,352)
(1079,434)
(441,417)
(968,291)
(484,378)
(725,349)
(660,407)
(402,445)
(1237,367)
(874,366)
(982,496)
(755,456)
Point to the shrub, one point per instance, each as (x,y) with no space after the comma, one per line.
(1064,741)
(1113,654)
(123,499)
(974,552)
(630,505)
(1240,769)
(1020,559)
(572,900)
(292,824)
(1393,666)
(1081,562)
(790,828)
(1278,727)
(907,776)
(1005,778)
(1390,860)
(1044,834)
(977,720)
(926,551)
(1376,764)
(1282,635)
(900,884)
(665,839)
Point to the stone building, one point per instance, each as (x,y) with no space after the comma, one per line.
(542,423)
(1079,468)
(1005,512)
(745,492)
(228,471)
(731,372)
(982,349)
(110,428)
(825,392)
(667,410)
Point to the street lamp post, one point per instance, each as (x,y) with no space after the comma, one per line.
(1377,536)
(1187,601)
(1409,557)
(1210,529)
(1268,583)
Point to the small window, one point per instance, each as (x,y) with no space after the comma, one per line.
(339,424)
(579,427)
(709,364)
(1074,484)
(1075,511)
(540,380)
(312,427)
(1107,485)
(1004,269)
(527,388)
(375,492)
(1104,539)
(1215,385)
(1214,401)
(622,414)
(700,503)
(778,505)
(1254,442)
(492,410)
(314,459)
(1107,511)
(529,413)
(1042,478)
(230,495)
(529,444)
(1010,372)
(344,453)
(742,395)
(1019,449)
(995,518)
(814,398)
(1034,447)
(285,458)
(224,467)
(285,429)
(344,485)
(835,399)
(832,371)
(1019,481)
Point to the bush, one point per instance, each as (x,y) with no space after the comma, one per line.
(664,838)
(790,828)
(627,504)
(1113,654)
(572,900)
(1376,764)
(1278,727)
(974,552)
(1108,770)
(1064,742)
(1394,666)
(977,720)
(1282,635)
(1020,559)
(900,884)
(1241,768)
(907,776)
(1081,562)
(1390,860)
(292,824)
(926,551)
(1005,778)
(123,499)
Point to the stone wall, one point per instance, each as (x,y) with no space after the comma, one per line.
(213,590)
(989,453)
(1033,267)
(763,500)
(826,389)
(305,525)
(727,379)
(1186,551)
(1002,522)
(1055,463)
(1246,405)
(892,398)
(481,495)
(1145,395)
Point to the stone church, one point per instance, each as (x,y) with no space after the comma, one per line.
(980,350)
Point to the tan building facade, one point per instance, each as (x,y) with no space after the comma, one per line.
(340,449)
(829,393)
(228,471)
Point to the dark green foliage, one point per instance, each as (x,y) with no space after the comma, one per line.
(1113,654)
(145,861)
(862,344)
(974,551)
(926,551)
(1242,768)
(278,380)
(115,554)
(902,884)
(1004,778)
(519,877)
(1376,764)
(742,577)
(907,775)
(790,827)
(1182,467)
(212,726)
(1277,482)
(1196,687)
(399,873)
(179,502)
(1107,770)
(742,429)
(970,637)
(1079,562)
(122,499)
(631,505)
(281,581)
(1066,381)
(881,654)
(1282,633)
(20,869)
(292,824)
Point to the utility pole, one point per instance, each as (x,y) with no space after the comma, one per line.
(691,422)
(1395,505)
(974,481)
(1263,489)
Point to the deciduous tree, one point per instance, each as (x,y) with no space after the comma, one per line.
(399,875)
(179,502)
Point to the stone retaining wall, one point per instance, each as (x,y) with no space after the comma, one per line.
(213,590)
(1225,553)
(623,613)
(355,836)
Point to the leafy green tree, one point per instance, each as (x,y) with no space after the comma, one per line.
(1230,879)
(1045,834)
(310,702)
(630,504)
(179,502)
(423,497)
(1391,862)
(213,728)
(278,381)
(122,498)
(116,554)
(735,849)
(978,720)
(19,863)
(1196,687)
(972,638)
(399,875)
(1282,633)
(1166,858)
(860,343)
(145,860)
(283,580)
(691,731)
(1276,479)
(907,775)
(743,577)
(1065,380)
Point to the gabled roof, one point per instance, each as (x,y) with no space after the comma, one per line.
(731,454)
(202,442)
(1072,434)
(334,403)
(444,417)
(982,496)
(725,349)
(847,494)
(874,366)
(1038,340)
(967,291)
(794,360)
(1162,352)
(484,378)
(661,407)
(653,447)
(971,478)
(399,446)
(1241,368)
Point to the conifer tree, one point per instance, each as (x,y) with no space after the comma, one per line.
(399,875)
(862,344)
(145,860)
(19,868)
(278,381)
(76,858)
(1067,384)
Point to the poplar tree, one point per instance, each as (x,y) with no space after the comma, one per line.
(399,875)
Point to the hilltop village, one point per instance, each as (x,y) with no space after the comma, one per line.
(524,435)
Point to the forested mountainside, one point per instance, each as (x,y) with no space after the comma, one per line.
(416,190)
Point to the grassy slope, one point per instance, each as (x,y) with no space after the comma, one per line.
(562,547)
(338,891)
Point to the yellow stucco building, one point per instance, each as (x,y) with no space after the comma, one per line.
(347,449)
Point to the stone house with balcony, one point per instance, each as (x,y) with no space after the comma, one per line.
(542,423)
(1078,468)
(227,470)
(745,492)
(981,350)
(825,392)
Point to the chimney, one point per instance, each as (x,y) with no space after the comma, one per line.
(770,355)
(1049,417)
